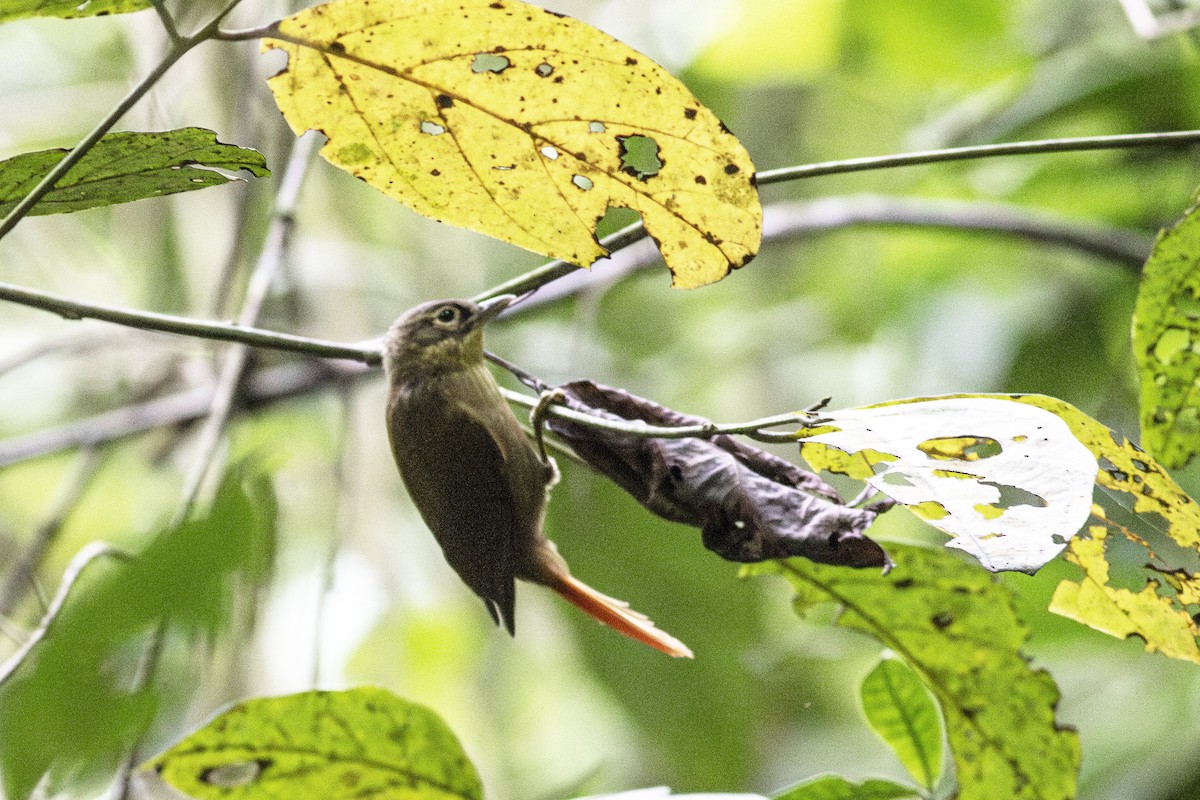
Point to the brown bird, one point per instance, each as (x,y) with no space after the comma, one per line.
(472,472)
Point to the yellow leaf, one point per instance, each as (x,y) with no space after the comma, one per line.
(1121,612)
(520,123)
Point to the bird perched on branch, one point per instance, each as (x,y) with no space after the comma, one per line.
(472,472)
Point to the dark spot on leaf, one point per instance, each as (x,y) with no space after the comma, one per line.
(942,621)
(554,13)
(445,101)
(689,113)
(435,172)
(558,78)
(700,179)
(630,61)
(732,169)
(337,47)
(496,5)
(903,583)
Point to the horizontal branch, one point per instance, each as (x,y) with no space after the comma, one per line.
(221,331)
(1067,145)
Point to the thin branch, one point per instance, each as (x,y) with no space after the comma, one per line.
(755,429)
(187,326)
(164,17)
(1067,145)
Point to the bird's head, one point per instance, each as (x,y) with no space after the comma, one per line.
(439,336)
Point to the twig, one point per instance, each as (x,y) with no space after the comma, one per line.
(1072,145)
(755,429)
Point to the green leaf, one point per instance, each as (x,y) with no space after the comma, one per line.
(362,743)
(835,787)
(1166,328)
(955,626)
(66,702)
(902,712)
(67,9)
(127,166)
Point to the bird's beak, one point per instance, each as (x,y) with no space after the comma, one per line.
(491,308)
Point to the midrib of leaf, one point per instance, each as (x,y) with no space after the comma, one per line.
(619,176)
(882,633)
(913,737)
(239,750)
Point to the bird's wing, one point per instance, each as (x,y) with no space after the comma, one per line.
(455,470)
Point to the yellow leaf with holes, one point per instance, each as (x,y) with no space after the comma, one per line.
(523,124)
(1148,614)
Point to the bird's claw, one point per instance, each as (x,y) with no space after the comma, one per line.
(537,417)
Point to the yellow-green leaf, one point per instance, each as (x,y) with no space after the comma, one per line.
(67,9)
(1166,331)
(902,712)
(835,787)
(363,743)
(520,123)
(954,625)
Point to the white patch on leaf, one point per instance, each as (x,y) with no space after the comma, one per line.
(1014,482)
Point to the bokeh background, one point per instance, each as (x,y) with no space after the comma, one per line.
(857,312)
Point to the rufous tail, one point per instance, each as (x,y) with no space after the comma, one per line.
(617,615)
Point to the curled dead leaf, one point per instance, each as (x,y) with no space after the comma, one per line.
(749,504)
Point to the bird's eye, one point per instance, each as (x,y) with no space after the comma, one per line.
(447,314)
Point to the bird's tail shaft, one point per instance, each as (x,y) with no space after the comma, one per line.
(617,615)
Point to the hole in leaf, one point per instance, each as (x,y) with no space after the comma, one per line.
(583,182)
(544,69)
(639,156)
(432,128)
(896,479)
(960,448)
(235,774)
(1011,496)
(505,167)
(489,62)
(549,152)
(596,127)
